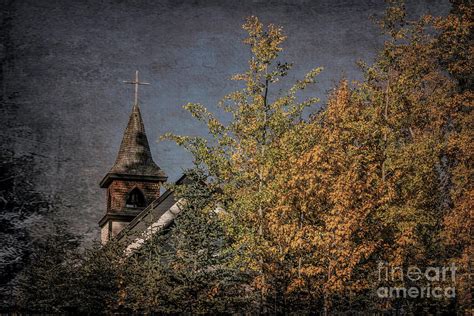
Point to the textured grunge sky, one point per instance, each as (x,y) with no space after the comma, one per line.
(63,62)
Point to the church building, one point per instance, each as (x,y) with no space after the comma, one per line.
(135,209)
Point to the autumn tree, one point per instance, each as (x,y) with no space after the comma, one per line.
(383,180)
(244,156)
(453,49)
(333,186)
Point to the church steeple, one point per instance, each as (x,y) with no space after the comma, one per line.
(134,158)
(135,179)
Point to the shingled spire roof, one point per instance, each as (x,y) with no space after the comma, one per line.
(134,160)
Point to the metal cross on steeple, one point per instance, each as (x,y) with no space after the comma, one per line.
(136,83)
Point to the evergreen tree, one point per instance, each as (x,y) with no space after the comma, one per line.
(185,268)
(62,279)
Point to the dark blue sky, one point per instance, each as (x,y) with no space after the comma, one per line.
(67,60)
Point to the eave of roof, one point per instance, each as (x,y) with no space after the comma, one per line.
(153,205)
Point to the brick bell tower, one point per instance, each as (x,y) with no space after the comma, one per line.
(135,179)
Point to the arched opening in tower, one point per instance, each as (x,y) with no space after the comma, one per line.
(135,199)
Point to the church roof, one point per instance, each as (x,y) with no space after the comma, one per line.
(134,159)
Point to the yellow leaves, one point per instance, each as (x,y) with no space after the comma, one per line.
(309,78)
(265,44)
(317,201)
(253,26)
(241,77)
